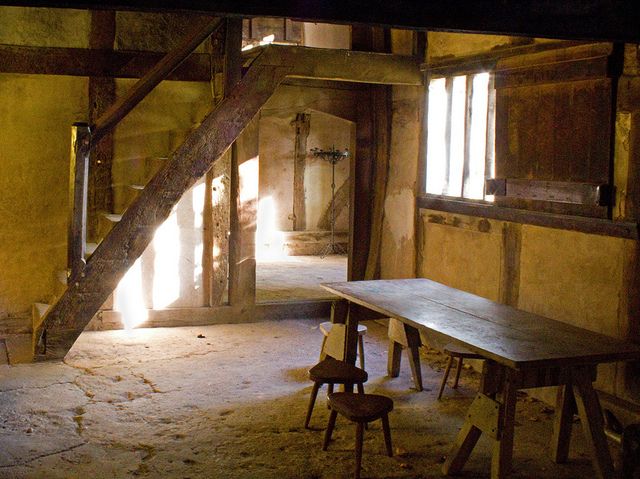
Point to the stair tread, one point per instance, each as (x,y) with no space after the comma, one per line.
(111,217)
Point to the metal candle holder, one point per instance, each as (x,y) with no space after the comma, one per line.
(333,156)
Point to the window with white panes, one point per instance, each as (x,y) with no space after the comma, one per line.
(460,138)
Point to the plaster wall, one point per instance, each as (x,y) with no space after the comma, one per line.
(34,177)
(583,279)
(569,276)
(397,258)
(169,272)
(44,27)
(36,113)
(450,45)
(326,35)
(332,111)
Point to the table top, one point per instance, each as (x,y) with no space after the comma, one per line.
(507,335)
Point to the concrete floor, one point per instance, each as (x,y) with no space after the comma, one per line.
(229,401)
(298,277)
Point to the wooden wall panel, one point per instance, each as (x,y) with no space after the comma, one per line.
(553,123)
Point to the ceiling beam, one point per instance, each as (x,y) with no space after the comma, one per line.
(609,20)
(105,63)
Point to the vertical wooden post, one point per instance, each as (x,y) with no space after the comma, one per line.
(215,216)
(78,183)
(301,125)
(102,94)
(238,287)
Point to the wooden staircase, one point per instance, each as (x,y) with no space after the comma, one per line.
(56,329)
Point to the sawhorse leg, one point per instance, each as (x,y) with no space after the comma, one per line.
(404,336)
(493,413)
(578,393)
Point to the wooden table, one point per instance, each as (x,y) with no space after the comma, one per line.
(522,350)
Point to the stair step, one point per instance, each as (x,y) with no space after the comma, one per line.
(19,348)
(38,312)
(15,325)
(112,217)
(62,277)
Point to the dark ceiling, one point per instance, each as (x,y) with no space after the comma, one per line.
(612,20)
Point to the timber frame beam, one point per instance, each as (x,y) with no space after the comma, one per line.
(128,239)
(609,20)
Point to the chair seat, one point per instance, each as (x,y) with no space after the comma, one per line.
(332,371)
(460,352)
(326,326)
(360,407)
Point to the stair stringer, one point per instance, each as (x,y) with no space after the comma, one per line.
(128,239)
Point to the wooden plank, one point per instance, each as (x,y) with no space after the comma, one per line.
(510,267)
(204,316)
(78,184)
(593,424)
(484,413)
(301,125)
(129,237)
(598,226)
(361,188)
(87,62)
(347,65)
(590,20)
(562,423)
(501,460)
(382,132)
(158,73)
(102,94)
(511,337)
(468,115)
(215,216)
(556,191)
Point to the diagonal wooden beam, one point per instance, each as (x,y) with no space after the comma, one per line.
(129,238)
(159,72)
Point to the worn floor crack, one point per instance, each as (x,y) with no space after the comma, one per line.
(24,463)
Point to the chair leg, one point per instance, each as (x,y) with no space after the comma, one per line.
(360,388)
(330,389)
(387,434)
(312,401)
(446,375)
(359,439)
(329,431)
(361,348)
(458,370)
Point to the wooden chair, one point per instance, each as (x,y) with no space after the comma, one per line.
(330,371)
(361,409)
(454,351)
(333,341)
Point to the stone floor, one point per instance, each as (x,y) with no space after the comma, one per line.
(298,277)
(228,401)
